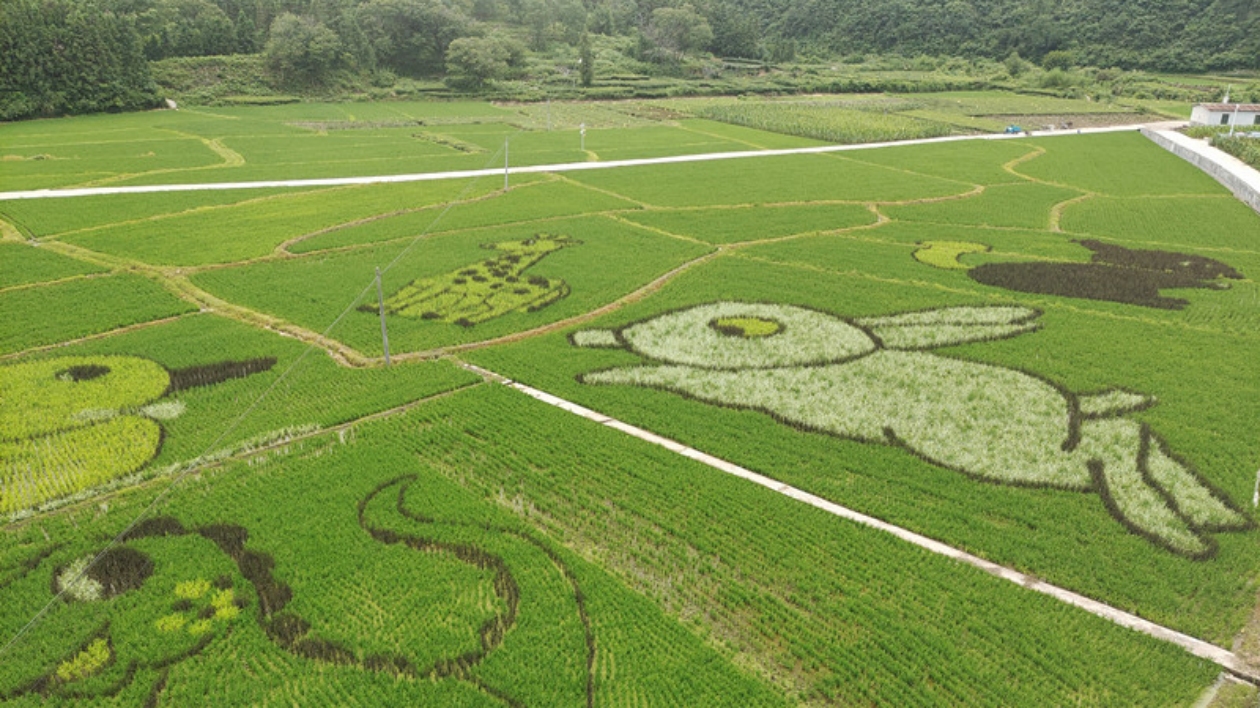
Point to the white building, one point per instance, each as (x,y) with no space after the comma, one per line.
(1240,115)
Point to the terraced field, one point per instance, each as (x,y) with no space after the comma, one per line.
(1040,351)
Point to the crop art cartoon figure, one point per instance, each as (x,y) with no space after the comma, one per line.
(483,291)
(70,423)
(874,380)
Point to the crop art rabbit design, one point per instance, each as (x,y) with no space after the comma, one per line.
(873,380)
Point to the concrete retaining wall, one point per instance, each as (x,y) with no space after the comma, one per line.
(1236,175)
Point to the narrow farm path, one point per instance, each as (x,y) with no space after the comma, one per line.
(1224,658)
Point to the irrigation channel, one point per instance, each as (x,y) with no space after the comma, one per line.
(1226,659)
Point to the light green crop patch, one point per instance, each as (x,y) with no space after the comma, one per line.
(873,380)
(86,663)
(485,290)
(69,424)
(945,254)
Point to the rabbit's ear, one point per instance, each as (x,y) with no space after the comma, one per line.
(602,338)
(948,326)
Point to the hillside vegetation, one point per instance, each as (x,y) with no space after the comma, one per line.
(79,56)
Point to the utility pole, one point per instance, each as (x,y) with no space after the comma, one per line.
(1234,121)
(380,298)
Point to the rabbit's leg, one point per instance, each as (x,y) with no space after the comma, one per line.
(1112,450)
(1201,505)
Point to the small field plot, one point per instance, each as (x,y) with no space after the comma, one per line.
(54,313)
(1010,205)
(600,261)
(35,165)
(971,161)
(746,223)
(750,138)
(1215,222)
(23,264)
(766,180)
(531,199)
(49,217)
(1115,164)
(829,122)
(254,228)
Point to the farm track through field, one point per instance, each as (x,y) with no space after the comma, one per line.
(1226,659)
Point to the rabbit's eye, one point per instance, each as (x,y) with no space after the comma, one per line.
(746,327)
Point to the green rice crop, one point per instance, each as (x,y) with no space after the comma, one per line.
(809,600)
(733,225)
(351,600)
(1085,348)
(22,264)
(766,180)
(824,122)
(613,260)
(1215,222)
(1115,164)
(47,217)
(318,393)
(1015,205)
(55,313)
(413,536)
(231,233)
(970,161)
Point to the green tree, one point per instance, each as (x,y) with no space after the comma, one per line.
(411,36)
(734,33)
(587,58)
(1057,59)
(471,62)
(185,28)
(302,52)
(677,31)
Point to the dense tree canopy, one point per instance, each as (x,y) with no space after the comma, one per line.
(69,56)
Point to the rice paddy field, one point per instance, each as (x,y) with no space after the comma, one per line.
(215,489)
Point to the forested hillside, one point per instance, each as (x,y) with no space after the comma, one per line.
(73,56)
